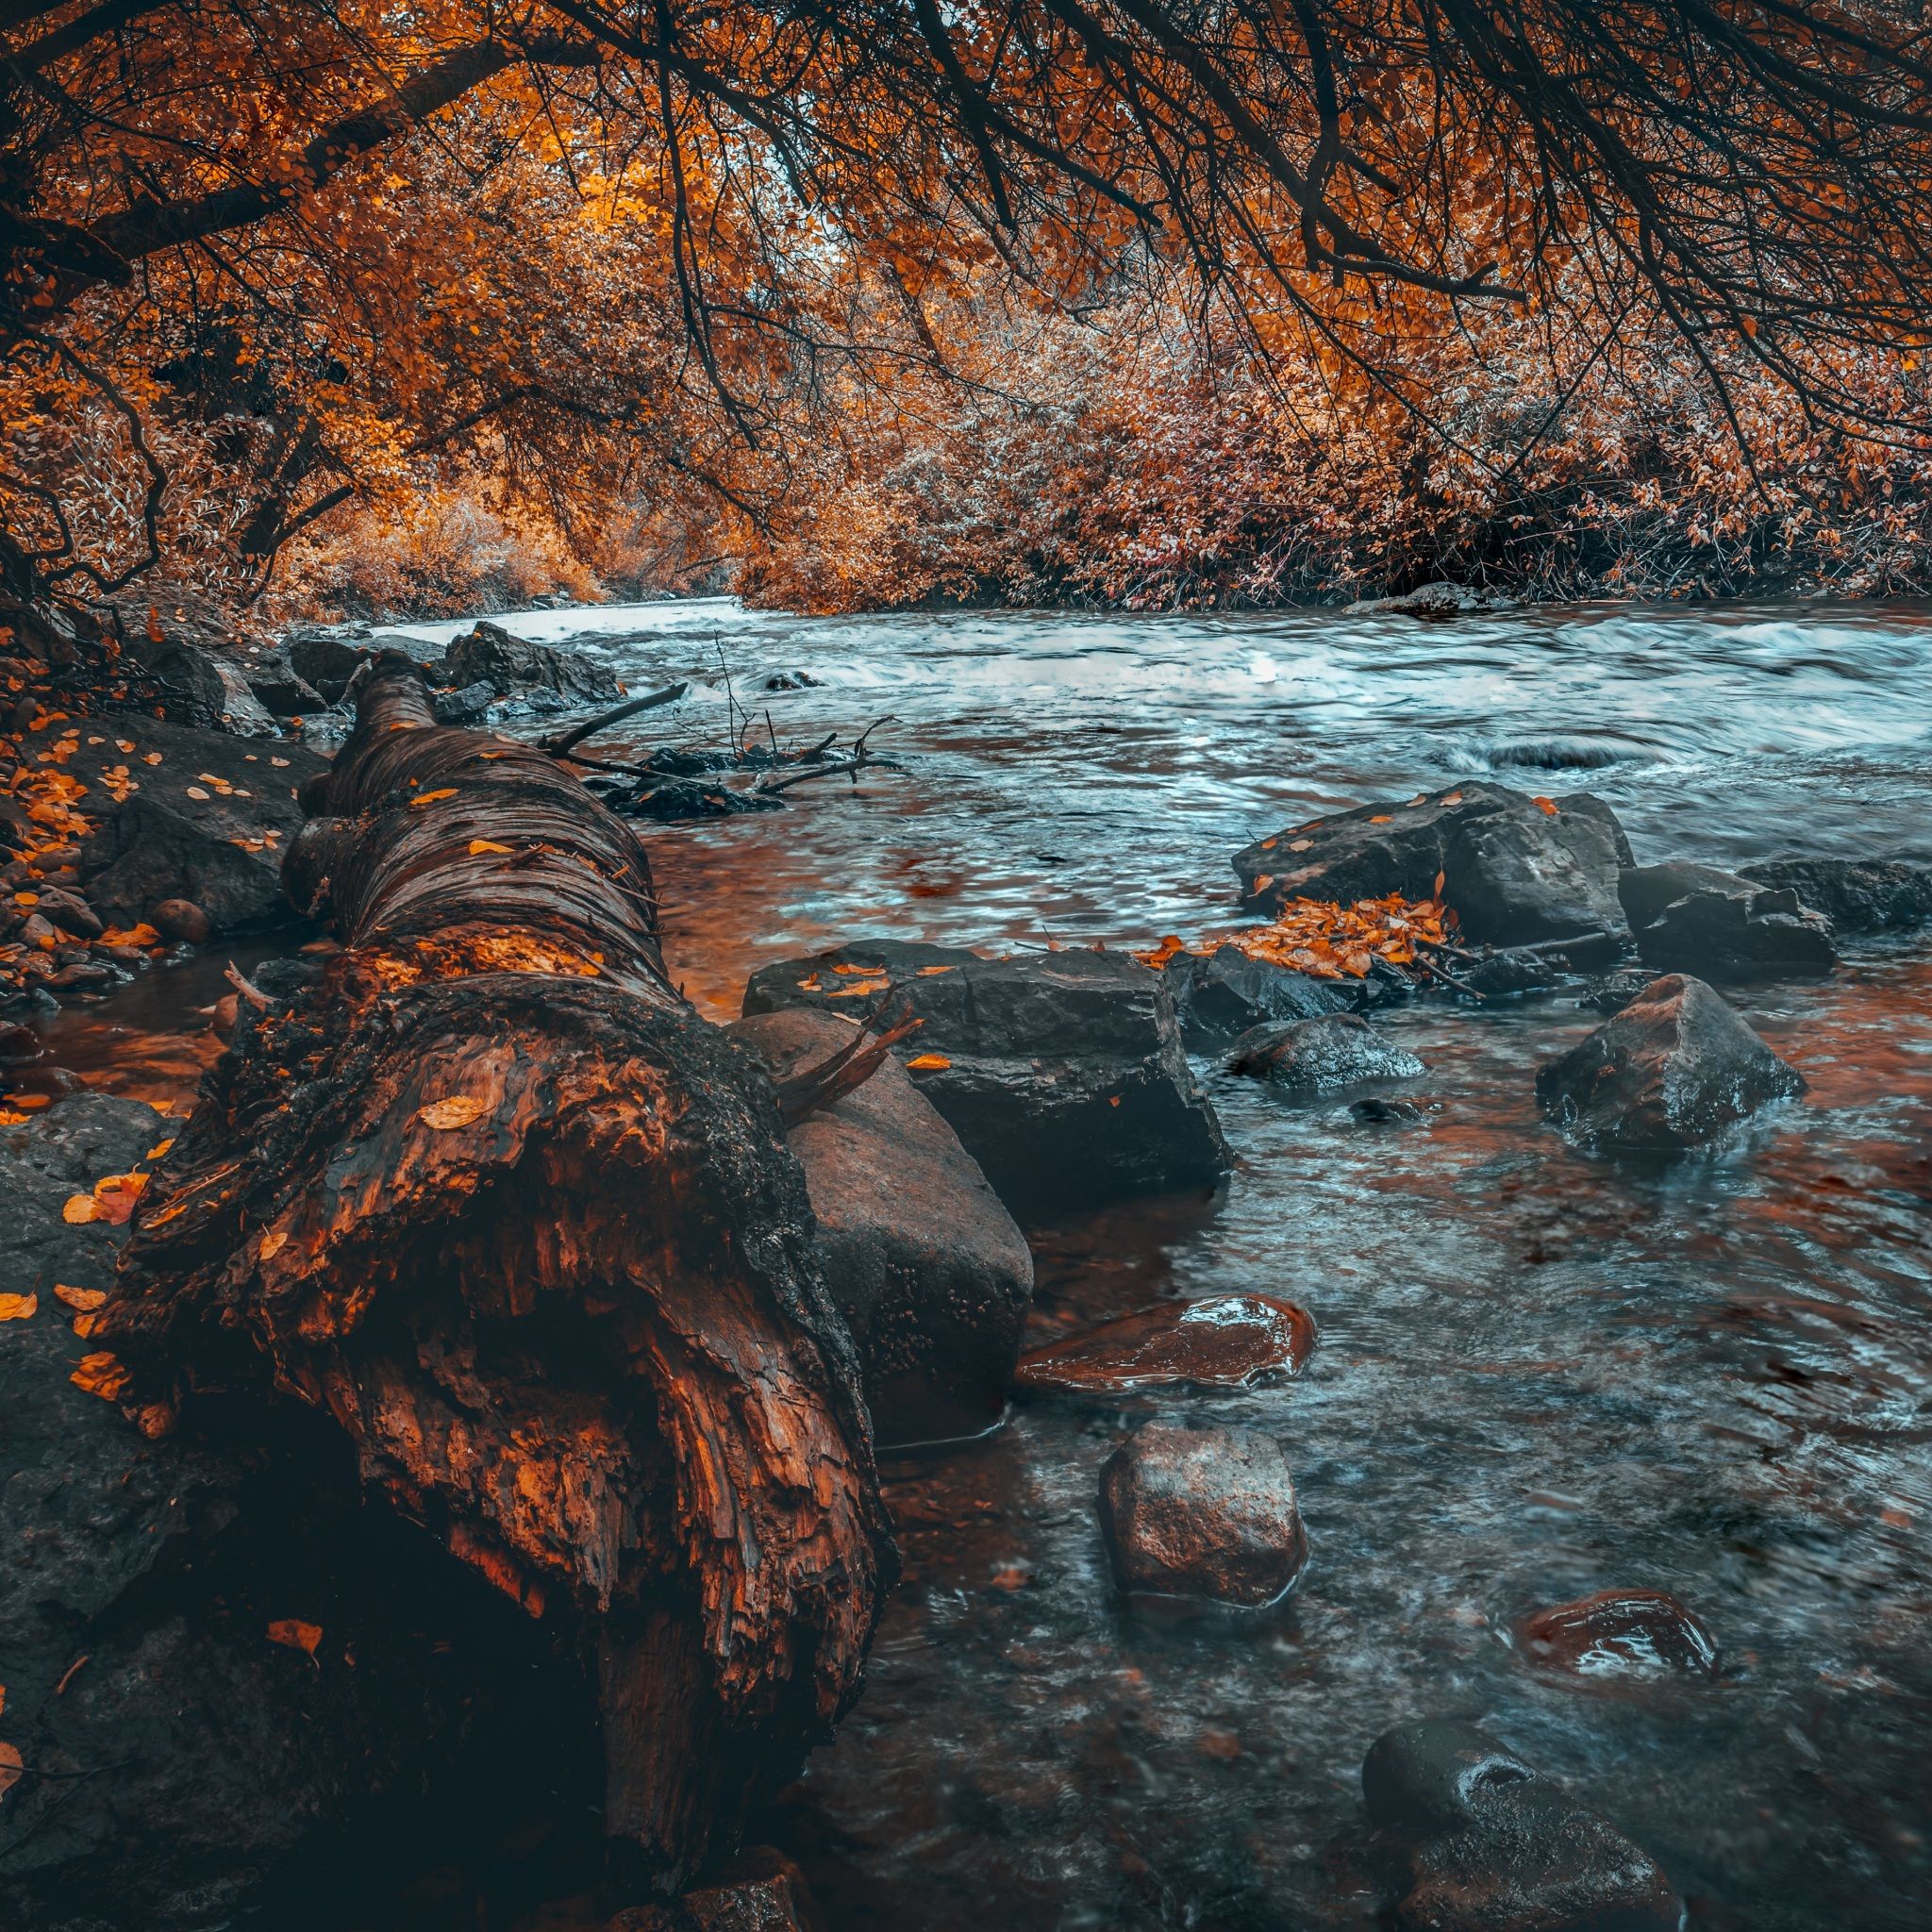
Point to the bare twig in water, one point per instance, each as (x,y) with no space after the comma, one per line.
(861,759)
(559,745)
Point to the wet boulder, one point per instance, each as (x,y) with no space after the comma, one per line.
(1219,996)
(1310,1058)
(1619,1633)
(1481,1843)
(1202,1513)
(1675,1069)
(1855,894)
(1610,992)
(206,822)
(1726,926)
(489,655)
(933,1279)
(200,687)
(1517,870)
(1062,1074)
(1220,1342)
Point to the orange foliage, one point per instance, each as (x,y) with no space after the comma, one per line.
(1327,940)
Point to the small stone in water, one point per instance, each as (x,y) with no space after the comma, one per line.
(1224,1341)
(1202,1513)
(1619,1633)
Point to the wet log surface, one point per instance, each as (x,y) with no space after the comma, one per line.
(490,1196)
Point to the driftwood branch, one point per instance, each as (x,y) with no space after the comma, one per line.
(558,746)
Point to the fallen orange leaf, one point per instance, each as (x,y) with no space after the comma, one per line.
(931,972)
(11,1768)
(271,1246)
(423,798)
(458,1110)
(81,1299)
(79,1211)
(929,1064)
(17,1308)
(1545,805)
(295,1634)
(103,1375)
(479,846)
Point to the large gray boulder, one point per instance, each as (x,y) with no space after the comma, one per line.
(489,655)
(1723,926)
(1202,1513)
(1517,870)
(1063,1073)
(1482,1843)
(208,822)
(933,1279)
(1855,894)
(1673,1069)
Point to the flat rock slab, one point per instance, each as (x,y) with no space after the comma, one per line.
(1218,996)
(208,823)
(1516,872)
(1202,1513)
(1619,1633)
(1311,1057)
(1483,1843)
(1725,925)
(927,1268)
(1675,1069)
(1855,894)
(1222,1341)
(1063,1074)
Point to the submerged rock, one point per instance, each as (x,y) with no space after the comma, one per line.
(1619,1633)
(1676,1068)
(207,823)
(1321,1055)
(1483,1843)
(1613,991)
(1062,1074)
(1202,1513)
(1219,996)
(1517,870)
(933,1279)
(1855,894)
(1222,1341)
(1726,926)
(763,1893)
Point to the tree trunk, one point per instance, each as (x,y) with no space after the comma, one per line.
(494,1197)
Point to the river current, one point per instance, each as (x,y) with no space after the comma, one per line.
(1539,1373)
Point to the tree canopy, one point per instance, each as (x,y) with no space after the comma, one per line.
(259,259)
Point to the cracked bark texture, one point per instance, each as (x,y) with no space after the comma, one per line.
(495,1198)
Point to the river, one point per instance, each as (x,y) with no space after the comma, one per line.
(1539,1373)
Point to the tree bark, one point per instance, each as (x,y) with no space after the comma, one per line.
(495,1199)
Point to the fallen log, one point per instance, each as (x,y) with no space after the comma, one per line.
(493,1198)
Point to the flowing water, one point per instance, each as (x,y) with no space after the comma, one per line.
(1539,1374)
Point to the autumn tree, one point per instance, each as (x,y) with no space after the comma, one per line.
(335,250)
